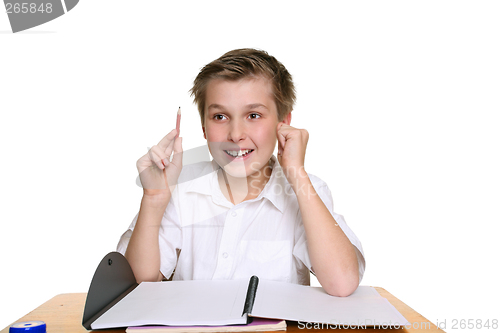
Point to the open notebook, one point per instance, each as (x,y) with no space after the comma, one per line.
(229,302)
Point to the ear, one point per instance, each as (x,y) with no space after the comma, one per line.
(204,134)
(288,118)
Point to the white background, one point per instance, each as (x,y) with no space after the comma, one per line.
(401,100)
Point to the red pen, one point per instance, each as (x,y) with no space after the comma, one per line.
(178,129)
(178,125)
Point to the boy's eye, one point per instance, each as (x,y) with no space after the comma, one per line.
(219,116)
(254,115)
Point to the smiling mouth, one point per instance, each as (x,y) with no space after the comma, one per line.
(238,153)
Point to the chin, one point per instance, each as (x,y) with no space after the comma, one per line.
(237,169)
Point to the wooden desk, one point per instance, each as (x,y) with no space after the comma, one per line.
(64,313)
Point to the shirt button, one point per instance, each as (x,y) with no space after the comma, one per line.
(234,214)
(225,255)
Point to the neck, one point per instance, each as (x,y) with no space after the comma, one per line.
(239,189)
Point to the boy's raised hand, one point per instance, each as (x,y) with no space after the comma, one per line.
(158,174)
(292,143)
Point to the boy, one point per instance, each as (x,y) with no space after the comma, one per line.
(246,212)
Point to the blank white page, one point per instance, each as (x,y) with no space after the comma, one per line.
(178,303)
(312,304)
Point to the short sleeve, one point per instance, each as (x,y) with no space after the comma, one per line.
(170,239)
(300,248)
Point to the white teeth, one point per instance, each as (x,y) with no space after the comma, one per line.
(238,153)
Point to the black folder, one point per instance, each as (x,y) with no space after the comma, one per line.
(114,279)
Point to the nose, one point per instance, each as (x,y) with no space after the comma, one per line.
(237,131)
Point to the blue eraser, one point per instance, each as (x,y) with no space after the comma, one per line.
(34,326)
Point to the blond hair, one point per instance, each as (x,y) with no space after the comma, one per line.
(244,63)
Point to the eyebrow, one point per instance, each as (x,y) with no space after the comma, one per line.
(215,106)
(256,105)
(249,106)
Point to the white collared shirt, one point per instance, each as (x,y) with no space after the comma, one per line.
(216,239)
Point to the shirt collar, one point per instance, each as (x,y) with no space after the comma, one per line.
(203,184)
(275,190)
(277,187)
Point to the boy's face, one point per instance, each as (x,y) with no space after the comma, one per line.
(240,124)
